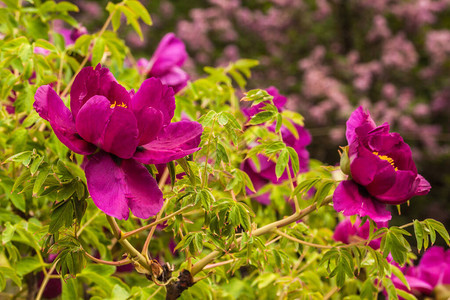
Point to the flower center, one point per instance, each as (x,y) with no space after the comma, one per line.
(121,105)
(386,158)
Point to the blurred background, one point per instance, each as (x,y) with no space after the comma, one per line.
(328,57)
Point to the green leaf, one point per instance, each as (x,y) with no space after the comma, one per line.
(98,51)
(282,162)
(8,233)
(46,45)
(294,160)
(418,230)
(27,265)
(437,226)
(405,295)
(399,274)
(40,179)
(261,117)
(35,164)
(140,10)
(22,157)
(62,215)
(70,289)
(11,274)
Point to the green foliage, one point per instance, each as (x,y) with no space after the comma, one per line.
(210,207)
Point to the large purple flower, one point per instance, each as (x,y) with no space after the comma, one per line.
(128,129)
(382,170)
(347,233)
(266,173)
(166,63)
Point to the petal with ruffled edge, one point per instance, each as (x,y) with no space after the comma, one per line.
(112,129)
(153,93)
(51,108)
(89,82)
(405,186)
(358,119)
(175,141)
(352,199)
(116,185)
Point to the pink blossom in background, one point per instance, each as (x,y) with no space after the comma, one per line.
(399,53)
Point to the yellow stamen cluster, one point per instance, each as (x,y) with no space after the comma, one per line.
(386,158)
(121,105)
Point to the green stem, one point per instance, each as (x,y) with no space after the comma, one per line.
(136,231)
(46,279)
(134,254)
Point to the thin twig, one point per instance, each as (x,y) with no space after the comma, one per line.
(300,241)
(122,262)
(46,279)
(152,231)
(136,231)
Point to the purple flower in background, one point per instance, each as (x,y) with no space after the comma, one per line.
(266,173)
(434,266)
(347,233)
(128,129)
(382,170)
(166,63)
(432,270)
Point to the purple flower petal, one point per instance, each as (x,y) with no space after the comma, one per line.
(434,266)
(112,129)
(153,93)
(175,78)
(170,52)
(150,122)
(89,82)
(352,199)
(406,183)
(116,185)
(145,199)
(358,119)
(175,141)
(278,99)
(51,108)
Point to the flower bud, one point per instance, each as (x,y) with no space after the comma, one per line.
(345,161)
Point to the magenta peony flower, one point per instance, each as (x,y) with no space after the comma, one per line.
(166,63)
(128,129)
(433,270)
(347,233)
(434,266)
(382,170)
(266,174)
